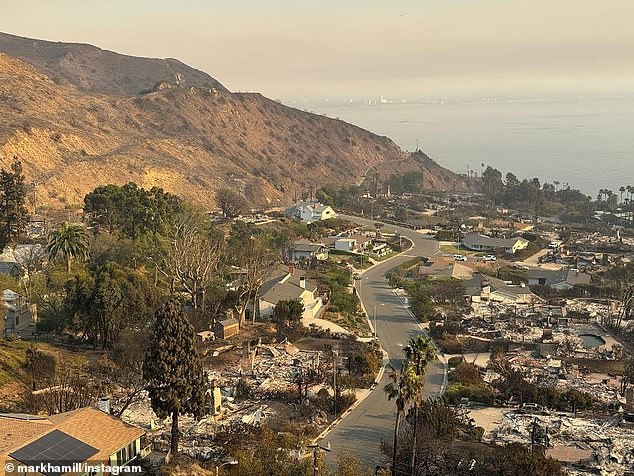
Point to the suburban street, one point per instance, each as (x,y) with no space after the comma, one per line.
(361,432)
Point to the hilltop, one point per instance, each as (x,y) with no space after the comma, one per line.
(101,71)
(73,134)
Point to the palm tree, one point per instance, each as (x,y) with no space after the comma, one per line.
(630,190)
(405,386)
(419,352)
(69,242)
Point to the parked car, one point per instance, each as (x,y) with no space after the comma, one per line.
(489,258)
(532,408)
(520,266)
(460,257)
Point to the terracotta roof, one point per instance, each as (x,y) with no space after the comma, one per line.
(98,429)
(90,425)
(14,432)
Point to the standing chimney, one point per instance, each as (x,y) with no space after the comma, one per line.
(104,405)
(302,282)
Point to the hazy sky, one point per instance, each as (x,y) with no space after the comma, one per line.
(414,48)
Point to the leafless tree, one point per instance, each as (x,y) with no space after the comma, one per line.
(122,371)
(256,260)
(627,306)
(230,202)
(69,389)
(194,257)
(628,375)
(33,260)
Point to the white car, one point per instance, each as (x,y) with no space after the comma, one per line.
(520,266)
(489,258)
(460,257)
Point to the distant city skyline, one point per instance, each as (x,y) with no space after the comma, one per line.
(405,49)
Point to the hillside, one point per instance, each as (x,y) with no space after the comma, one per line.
(93,69)
(188,140)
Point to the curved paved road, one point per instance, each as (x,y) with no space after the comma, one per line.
(361,432)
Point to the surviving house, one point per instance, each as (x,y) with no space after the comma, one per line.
(289,286)
(349,242)
(346,244)
(559,279)
(16,261)
(86,435)
(483,288)
(9,263)
(310,211)
(19,317)
(308,252)
(445,267)
(478,242)
(379,247)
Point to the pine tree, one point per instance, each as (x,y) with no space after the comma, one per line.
(172,368)
(13,213)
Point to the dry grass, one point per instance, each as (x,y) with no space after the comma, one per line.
(13,378)
(188,141)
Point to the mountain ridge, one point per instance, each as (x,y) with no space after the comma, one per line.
(188,140)
(94,69)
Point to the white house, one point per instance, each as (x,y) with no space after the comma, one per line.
(20,317)
(287,286)
(310,211)
(346,244)
(306,251)
(14,261)
(477,242)
(379,248)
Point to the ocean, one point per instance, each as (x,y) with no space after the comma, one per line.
(587,143)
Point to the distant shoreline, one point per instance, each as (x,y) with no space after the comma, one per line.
(584,141)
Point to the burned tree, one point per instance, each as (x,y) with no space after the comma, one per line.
(255,259)
(231,203)
(194,257)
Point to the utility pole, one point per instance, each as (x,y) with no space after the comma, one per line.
(35,185)
(316,449)
(335,355)
(375,332)
(458,238)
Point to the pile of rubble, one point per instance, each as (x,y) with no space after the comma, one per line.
(267,369)
(589,446)
(270,368)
